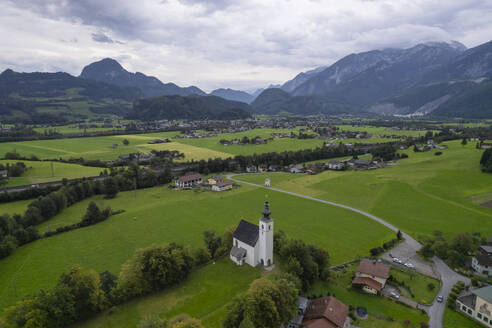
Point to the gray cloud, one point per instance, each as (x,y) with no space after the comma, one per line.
(221,42)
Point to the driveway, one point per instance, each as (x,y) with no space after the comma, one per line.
(407,249)
(408,255)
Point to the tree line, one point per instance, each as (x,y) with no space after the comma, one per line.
(486,161)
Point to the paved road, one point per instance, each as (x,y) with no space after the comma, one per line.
(448,276)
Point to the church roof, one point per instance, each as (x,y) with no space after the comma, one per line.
(247,233)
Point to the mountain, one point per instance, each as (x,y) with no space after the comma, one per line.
(275,101)
(59,97)
(362,79)
(300,78)
(190,107)
(110,71)
(234,95)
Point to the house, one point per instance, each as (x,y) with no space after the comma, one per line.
(326,312)
(189,180)
(360,164)
(477,305)
(251,169)
(215,180)
(371,276)
(486,144)
(222,186)
(482,261)
(253,244)
(4,173)
(336,165)
(262,168)
(301,309)
(297,169)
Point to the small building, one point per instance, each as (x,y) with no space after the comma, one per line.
(477,305)
(189,181)
(262,168)
(267,182)
(222,186)
(371,276)
(482,261)
(253,244)
(251,169)
(297,169)
(336,165)
(4,173)
(326,312)
(215,180)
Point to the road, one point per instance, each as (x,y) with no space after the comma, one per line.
(47,184)
(448,277)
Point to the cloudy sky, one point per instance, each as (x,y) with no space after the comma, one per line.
(240,44)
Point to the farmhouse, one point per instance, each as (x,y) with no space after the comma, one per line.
(482,261)
(297,169)
(189,180)
(326,312)
(251,169)
(3,173)
(477,305)
(215,180)
(222,186)
(371,276)
(253,244)
(336,165)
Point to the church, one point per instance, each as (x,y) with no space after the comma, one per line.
(253,244)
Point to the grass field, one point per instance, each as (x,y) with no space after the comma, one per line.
(423,194)
(18,207)
(160,215)
(204,295)
(453,319)
(42,172)
(418,284)
(202,148)
(378,307)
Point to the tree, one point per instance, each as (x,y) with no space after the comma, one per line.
(153,321)
(110,187)
(464,142)
(211,241)
(92,215)
(247,323)
(126,142)
(185,321)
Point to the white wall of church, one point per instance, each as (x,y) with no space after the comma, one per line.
(251,252)
(266,242)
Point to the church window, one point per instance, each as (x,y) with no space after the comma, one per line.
(236,243)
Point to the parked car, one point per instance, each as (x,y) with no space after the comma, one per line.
(440,298)
(394,295)
(396,260)
(409,265)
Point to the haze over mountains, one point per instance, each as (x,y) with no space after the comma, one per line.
(436,78)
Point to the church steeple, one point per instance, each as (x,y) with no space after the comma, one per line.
(266,211)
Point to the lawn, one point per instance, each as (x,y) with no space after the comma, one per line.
(418,284)
(204,295)
(159,215)
(18,207)
(380,309)
(422,194)
(453,319)
(38,172)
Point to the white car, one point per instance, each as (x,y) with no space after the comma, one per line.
(396,260)
(409,265)
(394,295)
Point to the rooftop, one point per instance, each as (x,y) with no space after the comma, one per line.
(373,268)
(328,308)
(484,293)
(247,233)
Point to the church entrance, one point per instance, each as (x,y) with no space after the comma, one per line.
(262,263)
(269,262)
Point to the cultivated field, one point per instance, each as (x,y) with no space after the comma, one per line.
(38,172)
(160,215)
(423,194)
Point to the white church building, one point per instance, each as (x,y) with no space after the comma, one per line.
(253,244)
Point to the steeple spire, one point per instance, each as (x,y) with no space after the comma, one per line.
(266,211)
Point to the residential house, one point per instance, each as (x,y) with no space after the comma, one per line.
(222,186)
(482,261)
(371,276)
(477,305)
(360,164)
(326,312)
(486,144)
(301,309)
(262,168)
(251,169)
(215,180)
(189,181)
(336,165)
(4,173)
(297,169)
(253,244)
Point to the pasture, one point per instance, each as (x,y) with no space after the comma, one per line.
(39,172)
(423,194)
(205,296)
(160,215)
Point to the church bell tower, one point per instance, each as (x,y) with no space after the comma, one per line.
(266,237)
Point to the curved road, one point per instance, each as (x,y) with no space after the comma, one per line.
(448,276)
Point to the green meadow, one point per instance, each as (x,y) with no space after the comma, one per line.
(422,194)
(38,172)
(161,215)
(204,295)
(453,319)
